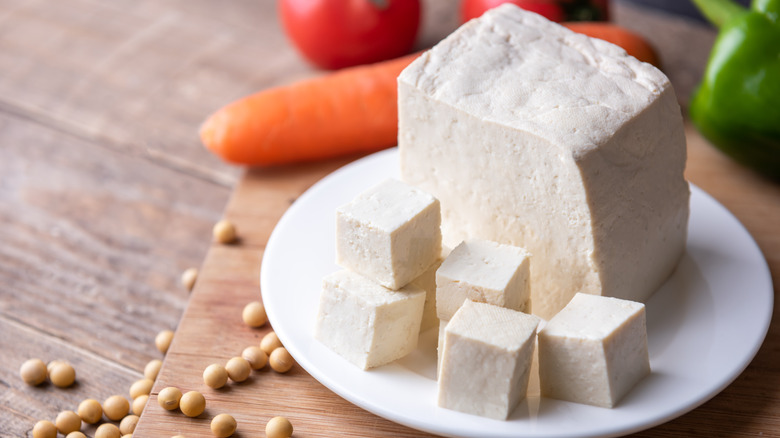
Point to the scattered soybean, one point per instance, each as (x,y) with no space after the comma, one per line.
(223,425)
(169,397)
(278,427)
(116,407)
(281,361)
(192,404)
(33,372)
(215,376)
(270,342)
(254,314)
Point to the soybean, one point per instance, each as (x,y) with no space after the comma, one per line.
(152,369)
(127,425)
(90,411)
(238,369)
(116,407)
(67,422)
(215,376)
(108,430)
(255,356)
(254,314)
(192,404)
(278,427)
(44,429)
(62,374)
(223,425)
(224,232)
(188,278)
(141,387)
(270,342)
(169,398)
(139,404)
(281,360)
(33,372)
(163,340)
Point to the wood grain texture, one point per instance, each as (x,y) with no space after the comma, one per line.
(91,248)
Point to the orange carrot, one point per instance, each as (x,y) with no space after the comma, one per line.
(350,111)
(634,44)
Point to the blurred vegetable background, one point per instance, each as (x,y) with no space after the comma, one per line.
(352,110)
(553,10)
(737,105)
(334,34)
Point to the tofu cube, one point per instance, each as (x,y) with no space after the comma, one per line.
(391,233)
(440,345)
(368,324)
(594,350)
(427,282)
(486,272)
(487,360)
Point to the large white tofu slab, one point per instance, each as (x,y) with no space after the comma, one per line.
(487,360)
(390,233)
(594,351)
(486,272)
(366,323)
(532,135)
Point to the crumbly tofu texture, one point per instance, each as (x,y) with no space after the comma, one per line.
(391,233)
(594,351)
(368,324)
(532,135)
(487,360)
(486,272)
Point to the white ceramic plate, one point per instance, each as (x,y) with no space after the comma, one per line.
(704,325)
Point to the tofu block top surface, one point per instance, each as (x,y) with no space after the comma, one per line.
(483,263)
(388,205)
(567,88)
(592,317)
(504,328)
(368,291)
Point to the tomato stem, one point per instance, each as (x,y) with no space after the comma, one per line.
(380,4)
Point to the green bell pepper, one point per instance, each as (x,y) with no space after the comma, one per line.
(737,105)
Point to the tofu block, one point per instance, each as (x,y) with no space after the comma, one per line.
(487,360)
(391,233)
(368,324)
(440,345)
(535,136)
(594,351)
(486,272)
(427,282)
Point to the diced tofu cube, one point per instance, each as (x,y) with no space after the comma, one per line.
(594,350)
(366,323)
(483,271)
(487,360)
(440,345)
(391,233)
(427,282)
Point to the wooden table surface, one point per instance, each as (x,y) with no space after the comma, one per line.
(106,195)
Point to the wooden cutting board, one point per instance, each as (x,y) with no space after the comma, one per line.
(212,331)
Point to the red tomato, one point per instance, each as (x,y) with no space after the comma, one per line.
(339,33)
(549,9)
